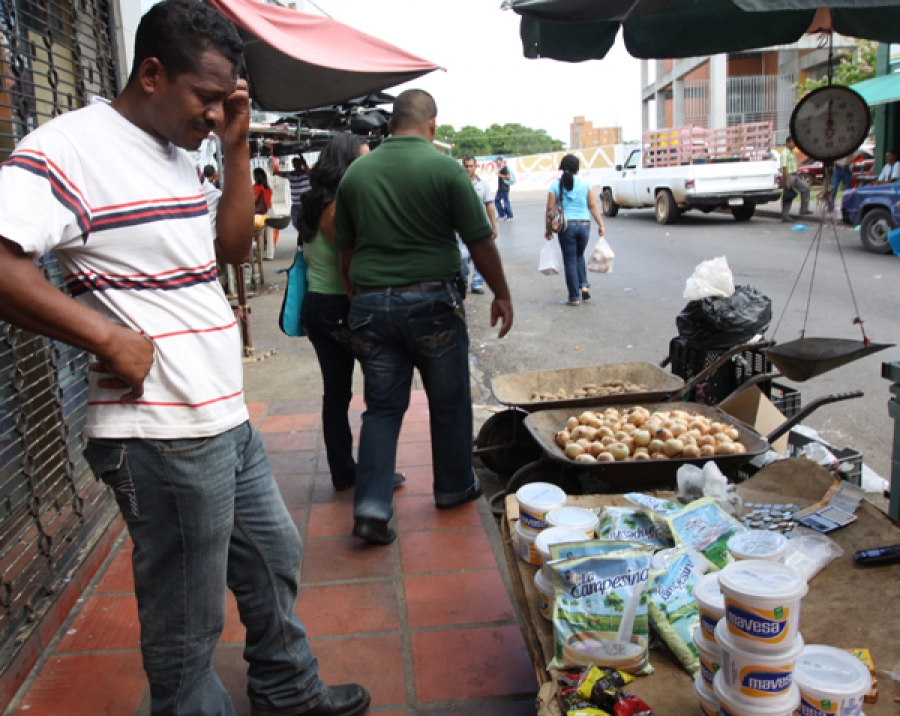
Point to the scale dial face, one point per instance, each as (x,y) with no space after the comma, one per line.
(830,123)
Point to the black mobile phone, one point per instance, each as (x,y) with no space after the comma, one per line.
(877,556)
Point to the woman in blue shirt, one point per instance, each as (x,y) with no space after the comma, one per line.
(579,205)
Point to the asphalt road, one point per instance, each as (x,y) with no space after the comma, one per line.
(631,316)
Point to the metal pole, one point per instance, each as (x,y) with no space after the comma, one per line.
(891,371)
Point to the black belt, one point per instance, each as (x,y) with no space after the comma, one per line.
(578,221)
(420,286)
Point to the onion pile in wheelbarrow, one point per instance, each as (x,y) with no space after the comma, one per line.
(638,434)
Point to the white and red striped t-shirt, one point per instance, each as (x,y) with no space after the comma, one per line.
(131,223)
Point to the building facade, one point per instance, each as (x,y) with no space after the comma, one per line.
(584,135)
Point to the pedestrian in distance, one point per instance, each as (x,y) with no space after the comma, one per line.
(890,172)
(576,197)
(841,174)
(167,427)
(299,181)
(262,196)
(486,196)
(504,182)
(397,214)
(211,174)
(792,183)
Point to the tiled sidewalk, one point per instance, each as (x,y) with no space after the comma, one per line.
(426,624)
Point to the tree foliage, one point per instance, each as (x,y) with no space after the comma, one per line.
(508,140)
(853,68)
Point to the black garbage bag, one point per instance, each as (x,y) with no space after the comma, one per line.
(722,323)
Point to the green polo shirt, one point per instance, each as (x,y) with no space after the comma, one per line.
(399,208)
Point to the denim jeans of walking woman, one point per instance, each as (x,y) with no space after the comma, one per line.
(573,243)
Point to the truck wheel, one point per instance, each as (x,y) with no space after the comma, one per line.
(610,208)
(876,225)
(743,213)
(666,208)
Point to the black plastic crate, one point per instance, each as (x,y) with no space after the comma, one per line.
(687,361)
(786,399)
(850,461)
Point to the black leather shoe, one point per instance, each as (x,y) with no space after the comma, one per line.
(343,700)
(472,494)
(373,531)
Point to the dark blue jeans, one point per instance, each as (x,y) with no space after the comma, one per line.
(295,215)
(324,319)
(841,175)
(504,209)
(205,513)
(573,243)
(392,333)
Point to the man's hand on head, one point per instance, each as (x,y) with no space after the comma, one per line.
(235,125)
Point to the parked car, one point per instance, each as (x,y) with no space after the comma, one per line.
(813,170)
(876,208)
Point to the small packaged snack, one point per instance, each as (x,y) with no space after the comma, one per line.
(705,527)
(631,523)
(657,509)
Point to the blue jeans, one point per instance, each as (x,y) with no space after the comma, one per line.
(295,215)
(841,175)
(205,513)
(324,319)
(501,201)
(573,243)
(392,333)
(468,266)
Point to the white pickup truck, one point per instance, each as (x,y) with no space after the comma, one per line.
(693,168)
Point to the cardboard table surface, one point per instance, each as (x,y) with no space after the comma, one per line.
(847,607)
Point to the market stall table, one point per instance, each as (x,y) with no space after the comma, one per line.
(847,606)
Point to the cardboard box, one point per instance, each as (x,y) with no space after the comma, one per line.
(755,409)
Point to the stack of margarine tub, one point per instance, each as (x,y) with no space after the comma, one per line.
(545,520)
(753,659)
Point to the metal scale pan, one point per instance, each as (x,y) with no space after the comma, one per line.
(807,358)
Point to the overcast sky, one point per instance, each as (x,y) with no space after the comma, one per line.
(487,78)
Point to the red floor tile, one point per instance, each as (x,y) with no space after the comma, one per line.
(55,617)
(290,423)
(294,407)
(471,663)
(437,600)
(357,402)
(339,609)
(295,489)
(324,490)
(415,432)
(330,519)
(234,631)
(119,577)
(330,560)
(291,442)
(445,550)
(417,413)
(87,685)
(418,397)
(417,512)
(298,516)
(231,668)
(256,411)
(376,662)
(296,462)
(104,623)
(419,481)
(413,454)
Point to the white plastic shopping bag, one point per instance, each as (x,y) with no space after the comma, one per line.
(548,264)
(711,278)
(602,258)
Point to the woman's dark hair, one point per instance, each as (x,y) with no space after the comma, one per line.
(324,178)
(569,166)
(259,177)
(178,32)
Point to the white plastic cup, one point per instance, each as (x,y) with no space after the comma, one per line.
(545,595)
(709,702)
(729,705)
(711,602)
(535,500)
(524,542)
(710,658)
(756,675)
(574,518)
(758,544)
(552,536)
(762,603)
(831,681)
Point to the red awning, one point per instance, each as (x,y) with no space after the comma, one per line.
(298,61)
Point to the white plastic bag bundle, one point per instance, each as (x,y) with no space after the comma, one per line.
(602,258)
(809,552)
(711,278)
(548,264)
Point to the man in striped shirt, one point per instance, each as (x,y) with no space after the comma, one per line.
(299,181)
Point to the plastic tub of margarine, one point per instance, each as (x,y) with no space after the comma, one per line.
(758,544)
(574,518)
(831,681)
(730,705)
(709,702)
(551,536)
(524,541)
(545,594)
(710,658)
(762,603)
(712,605)
(535,501)
(756,675)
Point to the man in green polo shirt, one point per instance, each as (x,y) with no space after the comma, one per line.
(792,180)
(397,214)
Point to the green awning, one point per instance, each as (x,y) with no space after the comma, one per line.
(880,90)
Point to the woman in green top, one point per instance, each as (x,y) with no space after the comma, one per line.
(325,304)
